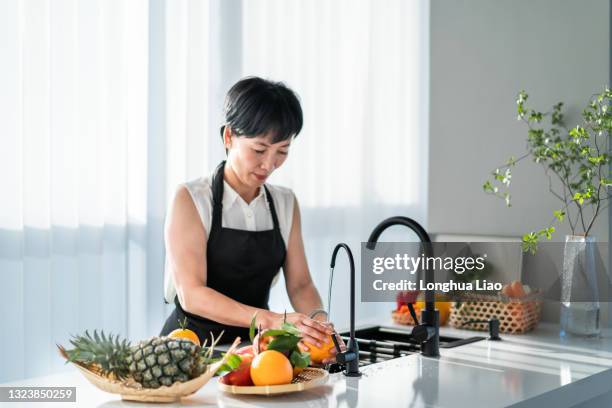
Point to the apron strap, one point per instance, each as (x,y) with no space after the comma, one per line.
(272,209)
(217,201)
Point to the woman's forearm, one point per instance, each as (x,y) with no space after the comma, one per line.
(211,304)
(305,299)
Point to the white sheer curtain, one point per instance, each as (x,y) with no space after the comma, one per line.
(73,171)
(107,105)
(361,70)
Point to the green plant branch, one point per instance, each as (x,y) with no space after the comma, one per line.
(574,155)
(563,199)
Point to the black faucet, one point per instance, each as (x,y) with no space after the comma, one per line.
(428,332)
(350,357)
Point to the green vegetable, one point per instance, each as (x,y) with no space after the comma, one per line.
(232,363)
(299,359)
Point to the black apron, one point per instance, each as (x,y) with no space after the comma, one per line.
(240,264)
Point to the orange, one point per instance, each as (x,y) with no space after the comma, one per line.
(443,307)
(518,289)
(318,354)
(260,343)
(271,367)
(185,334)
(297,371)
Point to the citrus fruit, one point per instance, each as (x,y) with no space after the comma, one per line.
(318,354)
(271,367)
(297,371)
(443,307)
(518,289)
(185,334)
(260,343)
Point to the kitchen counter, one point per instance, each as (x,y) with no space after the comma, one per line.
(538,369)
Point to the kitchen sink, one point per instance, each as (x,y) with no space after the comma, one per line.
(379,343)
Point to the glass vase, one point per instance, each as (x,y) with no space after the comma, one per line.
(579,292)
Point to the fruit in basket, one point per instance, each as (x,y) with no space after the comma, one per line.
(405,297)
(517,288)
(242,375)
(271,367)
(283,341)
(260,343)
(184,333)
(514,289)
(152,363)
(319,354)
(443,307)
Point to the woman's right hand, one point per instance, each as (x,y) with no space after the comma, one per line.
(313,331)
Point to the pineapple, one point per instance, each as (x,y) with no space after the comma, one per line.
(152,363)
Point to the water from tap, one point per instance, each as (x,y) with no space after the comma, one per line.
(329,293)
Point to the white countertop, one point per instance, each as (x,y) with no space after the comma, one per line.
(538,369)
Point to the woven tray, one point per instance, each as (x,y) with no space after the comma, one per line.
(310,377)
(132,391)
(516,315)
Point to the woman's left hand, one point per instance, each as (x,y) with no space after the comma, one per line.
(333,351)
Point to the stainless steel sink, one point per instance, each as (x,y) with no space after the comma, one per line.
(379,343)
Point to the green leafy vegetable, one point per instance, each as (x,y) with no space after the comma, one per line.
(299,359)
(232,363)
(284,343)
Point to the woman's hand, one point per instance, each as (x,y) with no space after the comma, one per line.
(333,351)
(313,331)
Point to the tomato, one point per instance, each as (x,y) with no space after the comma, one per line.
(241,375)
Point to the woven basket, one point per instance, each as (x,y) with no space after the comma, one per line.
(516,315)
(132,391)
(309,378)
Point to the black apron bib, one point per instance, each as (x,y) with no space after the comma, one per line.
(240,264)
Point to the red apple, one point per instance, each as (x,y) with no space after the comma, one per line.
(244,350)
(241,375)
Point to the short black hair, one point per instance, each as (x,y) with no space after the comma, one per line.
(256,106)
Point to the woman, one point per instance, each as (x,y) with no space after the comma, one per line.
(228,235)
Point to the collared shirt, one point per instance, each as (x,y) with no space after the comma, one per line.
(237,214)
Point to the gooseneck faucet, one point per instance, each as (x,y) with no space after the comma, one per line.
(350,357)
(428,332)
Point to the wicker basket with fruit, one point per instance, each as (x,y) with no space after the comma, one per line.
(517,307)
(160,369)
(273,364)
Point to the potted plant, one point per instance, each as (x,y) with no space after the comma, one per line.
(577,158)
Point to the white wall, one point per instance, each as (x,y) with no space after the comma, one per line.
(483,53)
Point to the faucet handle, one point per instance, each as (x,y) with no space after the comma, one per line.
(413,314)
(335,340)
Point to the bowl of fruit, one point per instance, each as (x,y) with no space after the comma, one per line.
(159,369)
(275,363)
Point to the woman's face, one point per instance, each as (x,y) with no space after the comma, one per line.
(253,159)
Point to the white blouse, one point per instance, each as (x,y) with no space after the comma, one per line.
(237,214)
